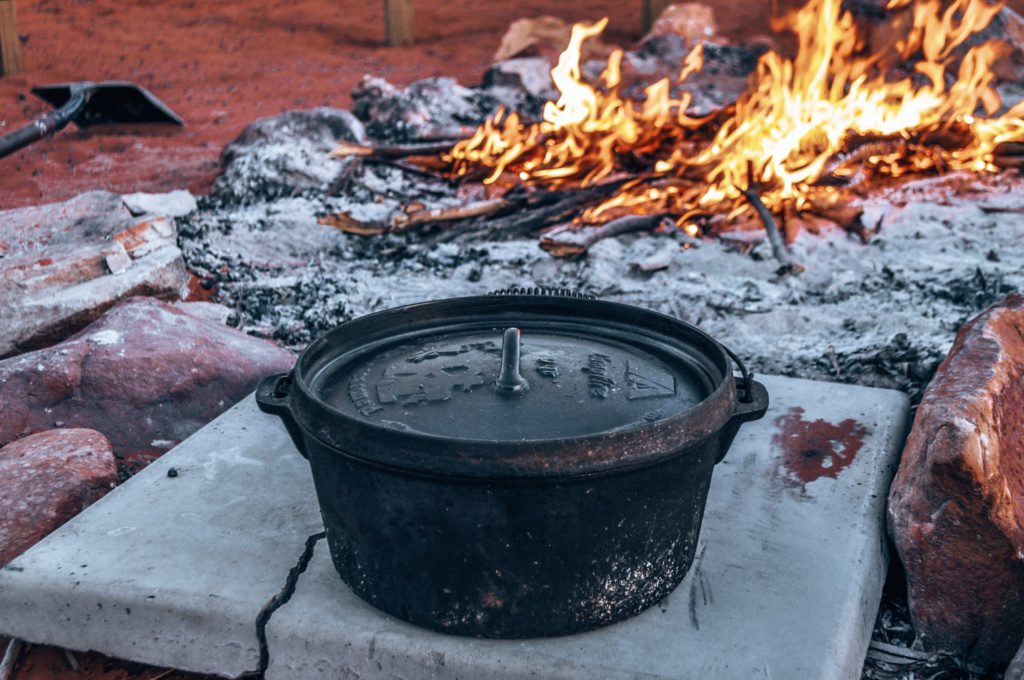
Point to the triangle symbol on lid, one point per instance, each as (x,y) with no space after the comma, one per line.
(649,383)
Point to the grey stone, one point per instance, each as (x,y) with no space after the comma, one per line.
(64,264)
(428,108)
(176,203)
(172,571)
(285,155)
(92,216)
(532,75)
(786,585)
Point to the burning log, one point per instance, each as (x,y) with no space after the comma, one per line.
(796,140)
(1008,155)
(855,161)
(841,118)
(573,241)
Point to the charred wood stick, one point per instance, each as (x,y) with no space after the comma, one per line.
(528,214)
(350,225)
(991,209)
(839,208)
(573,241)
(72,661)
(1009,149)
(858,156)
(1007,162)
(492,206)
(779,250)
(447,134)
(345,149)
(1008,155)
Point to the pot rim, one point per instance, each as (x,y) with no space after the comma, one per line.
(631,446)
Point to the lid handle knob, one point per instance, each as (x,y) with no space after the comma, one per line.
(511,380)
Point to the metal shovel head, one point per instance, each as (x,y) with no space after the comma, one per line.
(112,102)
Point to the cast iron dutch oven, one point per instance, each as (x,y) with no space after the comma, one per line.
(529,463)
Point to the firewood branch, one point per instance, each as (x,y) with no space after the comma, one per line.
(573,241)
(346,149)
(404,221)
(779,249)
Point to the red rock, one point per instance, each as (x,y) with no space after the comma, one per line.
(49,478)
(956,507)
(545,36)
(694,22)
(64,264)
(146,374)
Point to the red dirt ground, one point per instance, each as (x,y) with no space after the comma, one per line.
(222,64)
(50,663)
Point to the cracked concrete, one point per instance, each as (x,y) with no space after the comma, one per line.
(282,598)
(173,571)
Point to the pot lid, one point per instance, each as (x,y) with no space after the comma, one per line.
(516,368)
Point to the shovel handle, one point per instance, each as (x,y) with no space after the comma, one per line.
(45,125)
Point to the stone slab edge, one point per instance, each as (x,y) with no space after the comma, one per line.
(50,595)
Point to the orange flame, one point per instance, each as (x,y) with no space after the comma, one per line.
(792,122)
(581,135)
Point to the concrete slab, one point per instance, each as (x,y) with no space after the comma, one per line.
(175,571)
(786,585)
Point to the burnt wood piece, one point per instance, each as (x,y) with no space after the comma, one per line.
(345,149)
(779,249)
(1009,155)
(573,241)
(527,213)
(491,206)
(342,221)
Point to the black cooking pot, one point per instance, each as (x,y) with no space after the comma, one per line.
(529,463)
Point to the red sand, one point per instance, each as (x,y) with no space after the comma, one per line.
(50,663)
(223,64)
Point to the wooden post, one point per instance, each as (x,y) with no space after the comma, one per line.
(398,18)
(652,10)
(10,47)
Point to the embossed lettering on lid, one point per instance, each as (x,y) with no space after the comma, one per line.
(540,379)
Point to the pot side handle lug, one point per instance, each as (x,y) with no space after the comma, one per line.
(273,396)
(751,396)
(755,403)
(752,406)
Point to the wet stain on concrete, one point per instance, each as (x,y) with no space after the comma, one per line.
(812,449)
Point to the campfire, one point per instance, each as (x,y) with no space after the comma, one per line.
(810,134)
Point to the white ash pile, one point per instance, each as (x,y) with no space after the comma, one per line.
(878,313)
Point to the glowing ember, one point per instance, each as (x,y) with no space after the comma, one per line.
(797,125)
